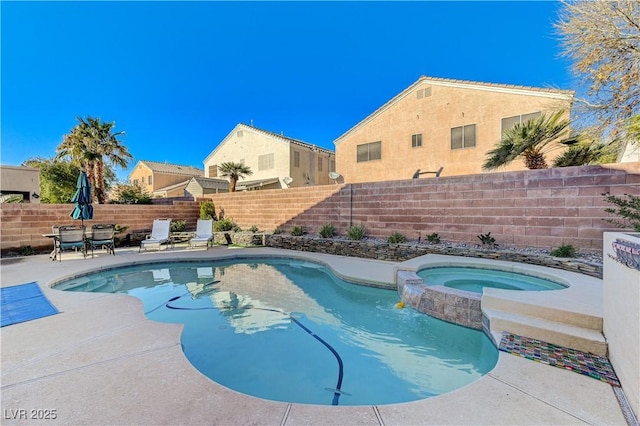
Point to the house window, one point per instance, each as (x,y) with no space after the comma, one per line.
(424,93)
(509,122)
(369,151)
(239,133)
(416,140)
(150,180)
(296,159)
(463,136)
(135,181)
(332,165)
(265,162)
(142,179)
(319,164)
(213,171)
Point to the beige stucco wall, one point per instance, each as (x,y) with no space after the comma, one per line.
(139,172)
(622,317)
(449,105)
(21,179)
(159,180)
(246,145)
(308,173)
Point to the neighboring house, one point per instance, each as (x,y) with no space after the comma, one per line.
(17,182)
(199,186)
(162,178)
(277,161)
(437,123)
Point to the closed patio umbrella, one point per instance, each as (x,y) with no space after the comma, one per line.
(83,208)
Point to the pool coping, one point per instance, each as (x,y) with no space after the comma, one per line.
(116,366)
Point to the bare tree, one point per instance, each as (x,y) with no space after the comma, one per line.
(602,38)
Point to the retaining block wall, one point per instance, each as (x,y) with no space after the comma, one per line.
(24,224)
(534,208)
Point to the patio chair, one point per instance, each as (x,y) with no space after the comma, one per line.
(204,233)
(70,237)
(102,236)
(159,234)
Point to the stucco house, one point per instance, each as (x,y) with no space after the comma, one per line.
(437,122)
(277,161)
(163,179)
(21,182)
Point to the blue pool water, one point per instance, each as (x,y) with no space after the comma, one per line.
(475,279)
(290,330)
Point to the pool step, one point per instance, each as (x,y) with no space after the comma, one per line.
(557,333)
(552,309)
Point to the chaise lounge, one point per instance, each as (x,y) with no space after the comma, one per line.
(159,234)
(204,233)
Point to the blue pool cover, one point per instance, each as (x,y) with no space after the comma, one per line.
(24,302)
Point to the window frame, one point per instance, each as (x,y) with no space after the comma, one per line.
(463,139)
(416,140)
(369,151)
(531,115)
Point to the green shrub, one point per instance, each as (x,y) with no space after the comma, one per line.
(327,230)
(297,231)
(564,251)
(277,230)
(628,209)
(355,232)
(433,238)
(487,240)
(26,251)
(124,193)
(208,210)
(178,225)
(396,238)
(253,228)
(223,225)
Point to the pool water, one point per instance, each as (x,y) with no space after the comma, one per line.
(475,279)
(290,330)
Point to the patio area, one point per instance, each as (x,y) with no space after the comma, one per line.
(101,361)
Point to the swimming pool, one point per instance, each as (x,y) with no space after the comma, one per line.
(475,279)
(289,330)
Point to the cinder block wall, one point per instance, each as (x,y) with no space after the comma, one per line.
(534,208)
(539,208)
(24,224)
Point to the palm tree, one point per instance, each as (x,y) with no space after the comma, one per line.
(531,140)
(235,172)
(91,144)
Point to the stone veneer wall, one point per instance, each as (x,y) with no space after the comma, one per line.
(448,304)
(401,252)
(534,208)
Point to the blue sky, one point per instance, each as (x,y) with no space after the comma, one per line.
(178,76)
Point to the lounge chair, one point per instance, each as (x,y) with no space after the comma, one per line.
(70,237)
(102,236)
(159,234)
(204,233)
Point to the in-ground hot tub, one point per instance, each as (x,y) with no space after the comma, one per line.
(475,279)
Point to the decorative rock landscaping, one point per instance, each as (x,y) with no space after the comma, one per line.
(380,250)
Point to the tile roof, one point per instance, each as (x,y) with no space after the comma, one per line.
(176,169)
(173,186)
(211,183)
(288,139)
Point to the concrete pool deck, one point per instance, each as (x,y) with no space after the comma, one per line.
(101,361)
